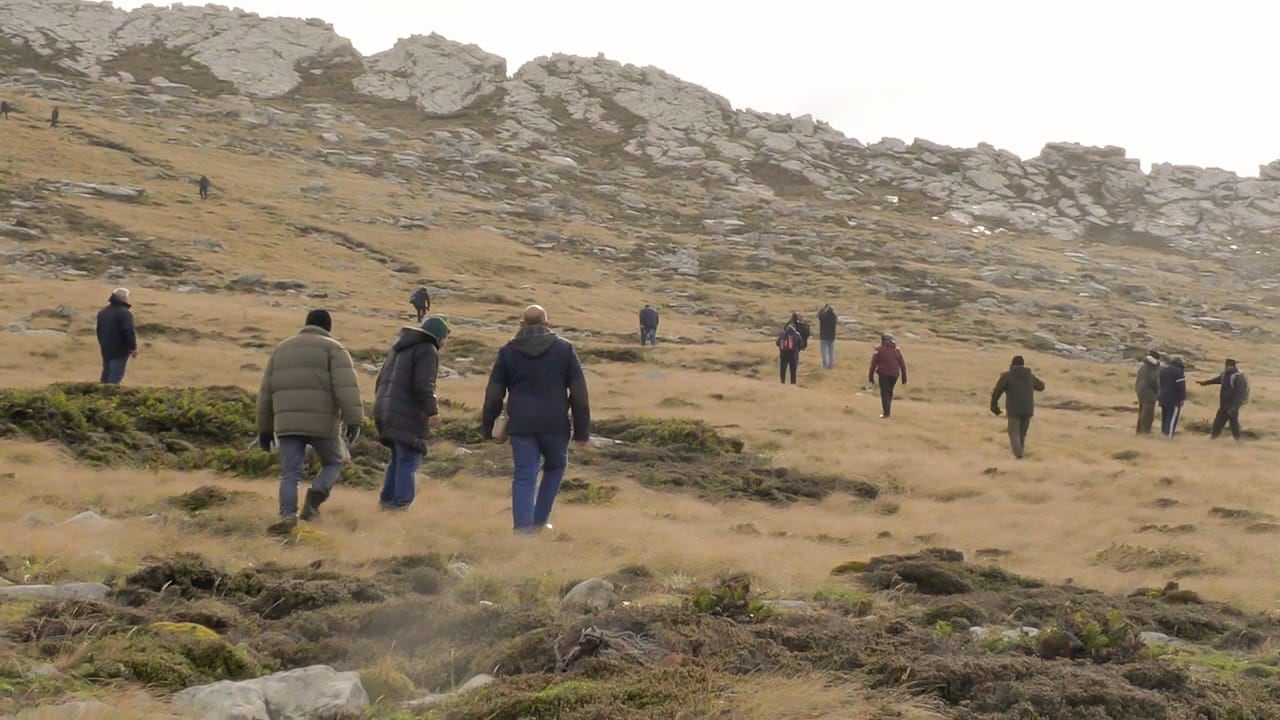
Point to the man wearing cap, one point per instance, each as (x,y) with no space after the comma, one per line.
(1019,386)
(1173,393)
(1148,389)
(406,406)
(887,362)
(310,396)
(116,336)
(538,381)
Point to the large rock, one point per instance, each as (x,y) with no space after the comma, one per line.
(312,693)
(591,595)
(67,591)
(440,75)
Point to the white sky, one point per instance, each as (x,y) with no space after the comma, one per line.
(1182,81)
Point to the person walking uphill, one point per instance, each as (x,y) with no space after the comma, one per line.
(406,407)
(789,344)
(539,381)
(1147,386)
(648,326)
(1234,394)
(827,336)
(204,187)
(421,301)
(117,338)
(1173,393)
(1019,386)
(310,395)
(888,363)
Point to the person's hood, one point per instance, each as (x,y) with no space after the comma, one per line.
(115,300)
(888,344)
(410,336)
(1150,360)
(533,341)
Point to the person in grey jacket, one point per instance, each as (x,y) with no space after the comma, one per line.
(405,407)
(1147,386)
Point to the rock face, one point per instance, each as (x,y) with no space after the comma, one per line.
(68,591)
(441,76)
(303,694)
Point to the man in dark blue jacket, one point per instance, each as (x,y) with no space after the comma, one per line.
(539,379)
(1234,394)
(1173,393)
(116,337)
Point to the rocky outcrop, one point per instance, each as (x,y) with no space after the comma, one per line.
(310,692)
(441,76)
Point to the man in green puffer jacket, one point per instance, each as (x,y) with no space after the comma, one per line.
(1147,386)
(1019,386)
(309,396)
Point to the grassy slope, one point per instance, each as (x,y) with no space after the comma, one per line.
(949,478)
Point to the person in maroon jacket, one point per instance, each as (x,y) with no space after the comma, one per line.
(888,363)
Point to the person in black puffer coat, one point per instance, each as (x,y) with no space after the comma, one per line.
(406,406)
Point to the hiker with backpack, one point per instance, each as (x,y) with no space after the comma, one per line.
(789,343)
(1234,394)
(888,363)
(421,301)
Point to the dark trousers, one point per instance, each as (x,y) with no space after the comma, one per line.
(1169,416)
(422,311)
(1146,416)
(113,370)
(887,384)
(1226,416)
(1018,427)
(788,361)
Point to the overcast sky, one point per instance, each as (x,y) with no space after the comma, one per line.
(1179,81)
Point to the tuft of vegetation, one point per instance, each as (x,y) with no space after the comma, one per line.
(611,354)
(730,597)
(170,656)
(581,492)
(682,437)
(385,684)
(203,498)
(1082,634)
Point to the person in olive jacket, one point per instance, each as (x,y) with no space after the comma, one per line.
(1147,385)
(310,395)
(1019,386)
(406,406)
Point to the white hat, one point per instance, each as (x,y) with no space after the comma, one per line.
(121,293)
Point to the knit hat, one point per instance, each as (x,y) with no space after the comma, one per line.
(121,294)
(320,319)
(437,328)
(1018,361)
(1155,354)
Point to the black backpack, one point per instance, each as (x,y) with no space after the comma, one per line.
(803,328)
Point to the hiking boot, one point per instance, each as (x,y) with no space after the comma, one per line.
(311,506)
(284,528)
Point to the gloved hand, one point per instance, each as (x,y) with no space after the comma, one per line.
(995,410)
(266,440)
(351,433)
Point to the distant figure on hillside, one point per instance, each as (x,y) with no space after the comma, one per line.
(538,381)
(648,326)
(1019,386)
(405,407)
(888,363)
(5,107)
(116,336)
(1173,393)
(204,187)
(789,343)
(1147,386)
(1234,394)
(827,336)
(310,395)
(53,118)
(421,301)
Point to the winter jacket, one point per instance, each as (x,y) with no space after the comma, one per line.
(1148,383)
(309,387)
(420,298)
(888,362)
(827,324)
(1019,386)
(797,342)
(649,318)
(1173,385)
(406,390)
(116,336)
(539,379)
(1229,397)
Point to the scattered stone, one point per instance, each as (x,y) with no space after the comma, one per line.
(91,519)
(317,691)
(1150,638)
(67,591)
(99,190)
(591,595)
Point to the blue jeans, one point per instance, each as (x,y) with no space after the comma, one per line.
(531,501)
(399,484)
(293,455)
(828,353)
(648,336)
(113,370)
